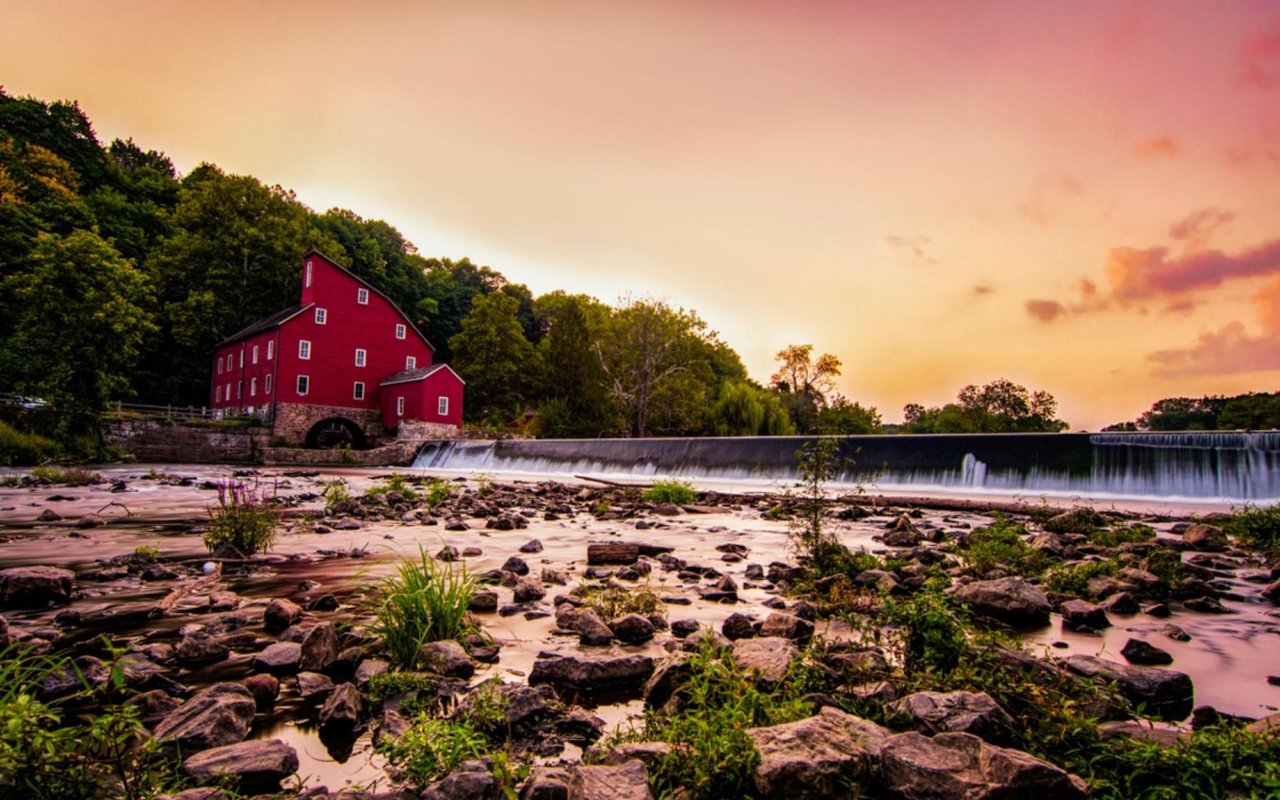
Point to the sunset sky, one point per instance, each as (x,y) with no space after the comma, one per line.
(1083,197)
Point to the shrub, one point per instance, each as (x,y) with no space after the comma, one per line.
(931,631)
(437,493)
(424,601)
(69,476)
(671,491)
(1258,527)
(613,601)
(245,518)
(395,483)
(431,748)
(1073,579)
(1001,546)
(1114,537)
(336,496)
(812,542)
(20,449)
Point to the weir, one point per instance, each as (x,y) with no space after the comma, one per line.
(1220,465)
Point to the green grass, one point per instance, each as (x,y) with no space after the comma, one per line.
(245,518)
(1001,546)
(614,601)
(671,491)
(336,496)
(930,630)
(438,492)
(425,601)
(395,483)
(1114,537)
(68,476)
(21,449)
(1257,527)
(1073,579)
(432,747)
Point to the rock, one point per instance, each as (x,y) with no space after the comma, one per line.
(1205,605)
(153,706)
(1175,632)
(348,524)
(586,623)
(368,668)
(737,626)
(667,509)
(341,712)
(816,757)
(1205,538)
(546,783)
(1272,592)
(484,601)
(90,521)
(35,587)
(1077,520)
(319,648)
(1165,693)
(666,681)
(1081,615)
(1157,610)
(696,639)
(280,658)
(1012,601)
(66,618)
(957,712)
(613,553)
(529,589)
(264,688)
(786,626)
(1136,651)
(903,534)
(768,657)
(961,766)
(648,753)
(1048,543)
(470,780)
(681,628)
(448,554)
(200,648)
(325,602)
(1121,603)
(256,766)
(516,565)
(531,546)
(48,515)
(626,781)
(219,715)
(447,658)
(313,687)
(577,673)
(632,629)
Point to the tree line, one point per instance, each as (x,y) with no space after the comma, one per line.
(1251,411)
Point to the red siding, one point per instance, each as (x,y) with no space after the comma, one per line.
(422,400)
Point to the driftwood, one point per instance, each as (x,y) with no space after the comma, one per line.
(615,484)
(127,512)
(172,598)
(613,553)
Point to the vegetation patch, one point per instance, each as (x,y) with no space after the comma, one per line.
(1257,527)
(21,449)
(1073,579)
(67,476)
(425,601)
(681,493)
(245,518)
(1131,534)
(614,601)
(432,747)
(394,483)
(1001,546)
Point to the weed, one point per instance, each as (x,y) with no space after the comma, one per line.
(438,492)
(18,448)
(70,476)
(1166,564)
(931,630)
(601,508)
(812,542)
(336,496)
(395,483)
(424,601)
(147,551)
(1000,546)
(396,682)
(671,491)
(1256,526)
(486,708)
(508,776)
(10,481)
(614,601)
(431,748)
(245,518)
(1114,537)
(1073,579)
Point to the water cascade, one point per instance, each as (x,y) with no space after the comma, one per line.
(1220,465)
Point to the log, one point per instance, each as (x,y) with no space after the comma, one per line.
(613,553)
(172,598)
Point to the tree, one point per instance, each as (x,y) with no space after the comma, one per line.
(83,318)
(573,380)
(746,410)
(804,382)
(997,407)
(844,417)
(493,357)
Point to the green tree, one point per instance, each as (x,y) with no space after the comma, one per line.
(1001,406)
(843,417)
(573,382)
(804,383)
(742,409)
(83,318)
(493,357)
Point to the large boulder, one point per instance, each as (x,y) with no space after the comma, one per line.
(632,629)
(957,712)
(960,766)
(35,587)
(279,658)
(903,534)
(626,781)
(447,658)
(1012,601)
(319,648)
(815,757)
(217,716)
(666,681)
(256,766)
(528,589)
(341,712)
(1081,615)
(787,626)
(1164,693)
(470,780)
(586,623)
(1205,538)
(280,614)
(580,674)
(768,657)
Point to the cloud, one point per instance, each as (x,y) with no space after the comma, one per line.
(916,245)
(1137,274)
(1045,310)
(1199,227)
(1158,147)
(982,290)
(1260,60)
(1231,348)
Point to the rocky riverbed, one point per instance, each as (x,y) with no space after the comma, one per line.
(264,667)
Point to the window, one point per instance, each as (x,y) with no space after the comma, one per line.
(242,358)
(321,316)
(304,349)
(266,384)
(239,389)
(227,393)
(219,365)
(253,387)
(410,362)
(271,350)
(255,354)
(442,406)
(359,390)
(399,331)
(399,406)
(304,383)
(308,281)
(217,394)
(360,357)
(362,296)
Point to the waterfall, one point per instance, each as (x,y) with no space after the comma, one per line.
(1233,466)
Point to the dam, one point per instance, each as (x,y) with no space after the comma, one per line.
(1238,467)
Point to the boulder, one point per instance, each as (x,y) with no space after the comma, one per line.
(815,757)
(1077,520)
(613,553)
(632,629)
(313,687)
(626,781)
(448,659)
(483,601)
(198,647)
(368,668)
(529,589)
(738,626)
(264,688)
(1081,615)
(648,753)
(516,566)
(279,658)
(961,766)
(217,716)
(256,766)
(1012,601)
(577,673)
(1164,693)
(903,534)
(153,706)
(768,657)
(470,780)
(319,648)
(1136,651)
(786,626)
(586,623)
(546,783)
(35,587)
(341,712)
(279,614)
(1205,538)
(957,712)
(666,681)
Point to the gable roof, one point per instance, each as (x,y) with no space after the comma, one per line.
(265,324)
(375,290)
(417,374)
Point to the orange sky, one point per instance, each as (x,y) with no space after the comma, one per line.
(1084,197)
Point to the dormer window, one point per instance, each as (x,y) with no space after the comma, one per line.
(400,331)
(304,350)
(321,316)
(410,362)
(362,296)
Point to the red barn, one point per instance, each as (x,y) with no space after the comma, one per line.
(344,365)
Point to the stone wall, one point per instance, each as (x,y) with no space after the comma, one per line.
(417,431)
(166,442)
(396,454)
(293,420)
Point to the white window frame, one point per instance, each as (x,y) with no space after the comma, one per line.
(303,385)
(357,390)
(400,330)
(217,394)
(271,349)
(241,358)
(400,406)
(255,354)
(266,384)
(442,406)
(239,389)
(362,296)
(322,316)
(410,362)
(362,356)
(227,394)
(304,349)
(253,387)
(219,365)
(308,281)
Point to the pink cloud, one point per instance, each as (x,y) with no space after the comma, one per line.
(1045,310)
(1199,227)
(1158,147)
(1260,60)
(1136,274)
(1231,348)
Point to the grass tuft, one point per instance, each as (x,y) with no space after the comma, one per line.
(425,601)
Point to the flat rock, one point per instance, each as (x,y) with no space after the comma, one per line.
(35,587)
(256,766)
(278,658)
(1205,538)
(1081,615)
(613,553)
(786,626)
(1136,651)
(626,781)
(768,657)
(957,712)
(1012,601)
(447,658)
(578,673)
(817,757)
(960,766)
(313,687)
(1164,693)
(219,715)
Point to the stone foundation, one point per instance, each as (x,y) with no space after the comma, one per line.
(294,420)
(167,442)
(416,432)
(396,454)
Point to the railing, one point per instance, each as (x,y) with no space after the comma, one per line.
(260,413)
